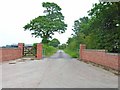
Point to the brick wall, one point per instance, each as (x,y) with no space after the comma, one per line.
(111,60)
(7,54)
(10,54)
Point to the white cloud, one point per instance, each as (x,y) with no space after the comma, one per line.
(16,13)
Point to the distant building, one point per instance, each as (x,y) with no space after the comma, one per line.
(10,46)
(16,46)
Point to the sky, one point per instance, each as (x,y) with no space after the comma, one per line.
(15,14)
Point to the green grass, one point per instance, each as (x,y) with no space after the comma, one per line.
(72,53)
(49,50)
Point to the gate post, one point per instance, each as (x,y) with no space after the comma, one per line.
(39,51)
(82,47)
(21,46)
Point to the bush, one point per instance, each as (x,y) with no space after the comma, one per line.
(34,49)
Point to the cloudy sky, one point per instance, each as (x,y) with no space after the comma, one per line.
(14,14)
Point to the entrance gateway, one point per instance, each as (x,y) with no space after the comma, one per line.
(31,50)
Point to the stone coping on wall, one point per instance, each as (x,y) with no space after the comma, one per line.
(113,53)
(103,51)
(95,50)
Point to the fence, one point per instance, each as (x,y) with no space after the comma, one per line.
(111,60)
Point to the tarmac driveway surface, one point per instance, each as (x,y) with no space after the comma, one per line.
(58,71)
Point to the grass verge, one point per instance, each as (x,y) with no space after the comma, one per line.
(49,50)
(72,53)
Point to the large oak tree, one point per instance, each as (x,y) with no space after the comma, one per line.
(45,26)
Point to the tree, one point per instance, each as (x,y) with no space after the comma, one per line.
(45,26)
(101,30)
(54,42)
(63,46)
(106,20)
(79,25)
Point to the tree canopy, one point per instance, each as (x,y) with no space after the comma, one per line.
(100,30)
(45,26)
(54,42)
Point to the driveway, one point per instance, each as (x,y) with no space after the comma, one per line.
(58,71)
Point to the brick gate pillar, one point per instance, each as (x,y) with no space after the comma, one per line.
(39,51)
(21,46)
(82,47)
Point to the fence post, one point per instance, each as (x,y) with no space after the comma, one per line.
(82,47)
(21,46)
(39,51)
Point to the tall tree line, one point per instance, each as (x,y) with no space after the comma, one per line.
(100,29)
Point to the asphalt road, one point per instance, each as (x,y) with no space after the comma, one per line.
(58,71)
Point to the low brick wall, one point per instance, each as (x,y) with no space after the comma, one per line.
(10,54)
(7,54)
(111,60)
